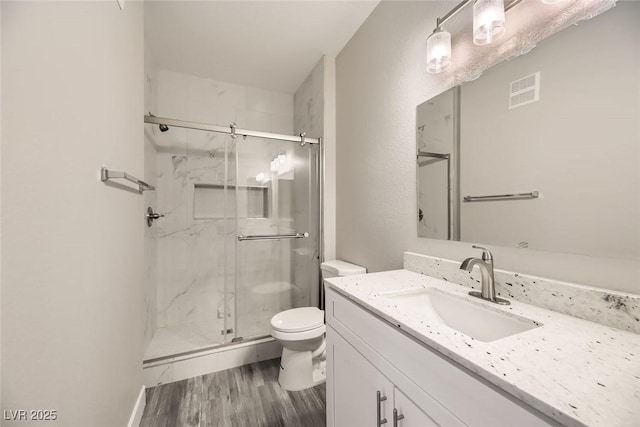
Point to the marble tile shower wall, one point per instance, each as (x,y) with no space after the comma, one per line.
(309,103)
(308,118)
(191,252)
(185,97)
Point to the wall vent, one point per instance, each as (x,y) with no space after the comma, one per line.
(524,91)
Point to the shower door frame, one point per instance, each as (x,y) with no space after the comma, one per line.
(235,132)
(231,130)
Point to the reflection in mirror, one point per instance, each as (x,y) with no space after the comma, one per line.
(558,128)
(438,143)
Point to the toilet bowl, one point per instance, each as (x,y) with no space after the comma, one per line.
(301,331)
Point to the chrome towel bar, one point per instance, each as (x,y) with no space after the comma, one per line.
(273,236)
(531,195)
(107,175)
(434,155)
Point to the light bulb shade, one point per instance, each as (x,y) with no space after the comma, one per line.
(438,51)
(551,1)
(488,21)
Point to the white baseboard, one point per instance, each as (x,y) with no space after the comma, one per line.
(138,410)
(209,361)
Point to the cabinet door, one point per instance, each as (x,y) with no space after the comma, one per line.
(354,384)
(412,415)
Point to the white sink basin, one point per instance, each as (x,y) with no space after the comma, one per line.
(471,318)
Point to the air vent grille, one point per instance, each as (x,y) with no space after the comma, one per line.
(524,91)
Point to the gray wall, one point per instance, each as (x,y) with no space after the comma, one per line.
(579,145)
(72,278)
(381,78)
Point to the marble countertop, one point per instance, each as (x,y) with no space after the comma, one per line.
(577,372)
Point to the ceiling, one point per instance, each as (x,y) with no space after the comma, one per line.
(271,45)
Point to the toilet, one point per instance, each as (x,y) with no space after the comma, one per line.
(301,331)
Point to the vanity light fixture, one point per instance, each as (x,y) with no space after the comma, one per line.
(438,51)
(488,21)
(488,26)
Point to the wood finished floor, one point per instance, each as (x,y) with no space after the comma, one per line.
(246,396)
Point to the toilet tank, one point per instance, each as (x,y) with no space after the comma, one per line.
(337,268)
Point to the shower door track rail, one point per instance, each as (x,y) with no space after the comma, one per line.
(231,130)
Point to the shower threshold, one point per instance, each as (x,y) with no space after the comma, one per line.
(167,344)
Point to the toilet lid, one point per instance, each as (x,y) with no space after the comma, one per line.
(298,319)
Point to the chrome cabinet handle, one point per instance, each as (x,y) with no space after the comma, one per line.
(396,417)
(379,400)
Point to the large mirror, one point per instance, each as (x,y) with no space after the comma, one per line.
(542,151)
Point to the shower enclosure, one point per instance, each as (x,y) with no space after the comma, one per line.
(239,238)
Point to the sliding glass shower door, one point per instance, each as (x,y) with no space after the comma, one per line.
(187,266)
(238,239)
(277,227)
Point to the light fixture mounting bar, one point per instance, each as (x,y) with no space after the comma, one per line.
(511,4)
(462,5)
(452,12)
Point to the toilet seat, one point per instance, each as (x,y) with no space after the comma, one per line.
(298,336)
(298,320)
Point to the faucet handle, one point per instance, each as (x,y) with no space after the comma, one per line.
(486,255)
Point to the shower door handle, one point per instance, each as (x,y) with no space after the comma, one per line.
(152,216)
(273,236)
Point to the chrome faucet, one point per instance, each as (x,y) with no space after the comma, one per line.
(488,290)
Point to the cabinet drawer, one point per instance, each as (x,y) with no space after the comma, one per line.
(470,398)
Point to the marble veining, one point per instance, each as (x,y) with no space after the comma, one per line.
(308,118)
(577,372)
(612,308)
(309,103)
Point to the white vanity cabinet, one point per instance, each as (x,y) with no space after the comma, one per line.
(367,397)
(367,355)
